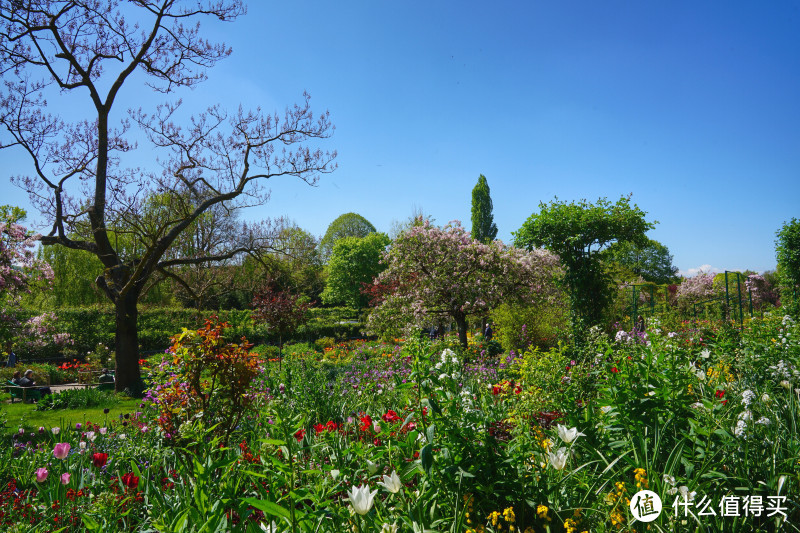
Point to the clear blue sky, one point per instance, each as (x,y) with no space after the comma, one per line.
(693,107)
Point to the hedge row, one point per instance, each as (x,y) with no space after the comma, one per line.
(93,325)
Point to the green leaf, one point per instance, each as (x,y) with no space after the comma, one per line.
(268,507)
(426,458)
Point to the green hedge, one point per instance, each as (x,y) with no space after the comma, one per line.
(92,325)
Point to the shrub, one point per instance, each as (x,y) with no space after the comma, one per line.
(77,399)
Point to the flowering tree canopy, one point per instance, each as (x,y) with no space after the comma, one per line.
(19,269)
(77,179)
(436,273)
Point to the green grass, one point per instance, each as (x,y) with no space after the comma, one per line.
(24,415)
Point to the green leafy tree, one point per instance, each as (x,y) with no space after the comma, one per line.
(484,229)
(354,263)
(787,250)
(347,225)
(578,232)
(652,260)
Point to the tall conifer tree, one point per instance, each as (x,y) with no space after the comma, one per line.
(484,229)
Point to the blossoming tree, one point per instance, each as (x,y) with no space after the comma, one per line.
(436,273)
(19,269)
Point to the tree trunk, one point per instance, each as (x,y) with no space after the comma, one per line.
(127,346)
(461,323)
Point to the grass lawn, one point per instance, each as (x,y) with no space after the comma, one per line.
(24,415)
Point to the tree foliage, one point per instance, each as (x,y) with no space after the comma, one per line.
(77,181)
(483,227)
(787,250)
(652,260)
(346,225)
(281,311)
(577,232)
(354,263)
(435,275)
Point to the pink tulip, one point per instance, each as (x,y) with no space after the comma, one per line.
(65,478)
(61,450)
(41,475)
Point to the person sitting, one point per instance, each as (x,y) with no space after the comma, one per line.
(27,381)
(16,378)
(106,377)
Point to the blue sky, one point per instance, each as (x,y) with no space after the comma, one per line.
(691,107)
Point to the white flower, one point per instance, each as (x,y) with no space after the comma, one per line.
(334,473)
(697,405)
(746,415)
(685,494)
(389,529)
(568,435)
(272,528)
(747,397)
(361,498)
(91,435)
(372,467)
(705,353)
(765,398)
(103,431)
(122,436)
(741,426)
(764,421)
(392,484)
(56,430)
(785,384)
(558,459)
(672,334)
(606,408)
(669,479)
(82,445)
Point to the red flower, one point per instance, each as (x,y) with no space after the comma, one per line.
(366,422)
(331,425)
(130,481)
(496,390)
(300,434)
(319,428)
(614,370)
(100,459)
(390,416)
(719,393)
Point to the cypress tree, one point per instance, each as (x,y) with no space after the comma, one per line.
(483,227)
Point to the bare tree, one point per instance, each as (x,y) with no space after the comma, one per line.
(78,182)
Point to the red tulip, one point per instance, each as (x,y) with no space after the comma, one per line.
(100,459)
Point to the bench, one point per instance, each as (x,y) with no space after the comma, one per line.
(23,393)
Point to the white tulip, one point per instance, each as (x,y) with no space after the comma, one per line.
(372,467)
(392,484)
(558,459)
(568,435)
(361,498)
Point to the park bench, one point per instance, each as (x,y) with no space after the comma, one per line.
(23,393)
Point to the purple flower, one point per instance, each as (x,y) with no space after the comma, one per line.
(61,450)
(41,474)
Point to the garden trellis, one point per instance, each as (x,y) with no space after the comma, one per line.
(731,305)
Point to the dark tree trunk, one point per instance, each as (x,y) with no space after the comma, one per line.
(461,323)
(127,346)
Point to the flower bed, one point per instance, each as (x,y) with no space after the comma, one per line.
(413,438)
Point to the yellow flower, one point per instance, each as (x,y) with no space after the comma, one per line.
(541,512)
(493,517)
(508,514)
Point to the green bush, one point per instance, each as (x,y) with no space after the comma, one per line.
(77,399)
(91,326)
(519,327)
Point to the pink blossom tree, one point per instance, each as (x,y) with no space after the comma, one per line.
(435,273)
(19,270)
(694,289)
(63,51)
